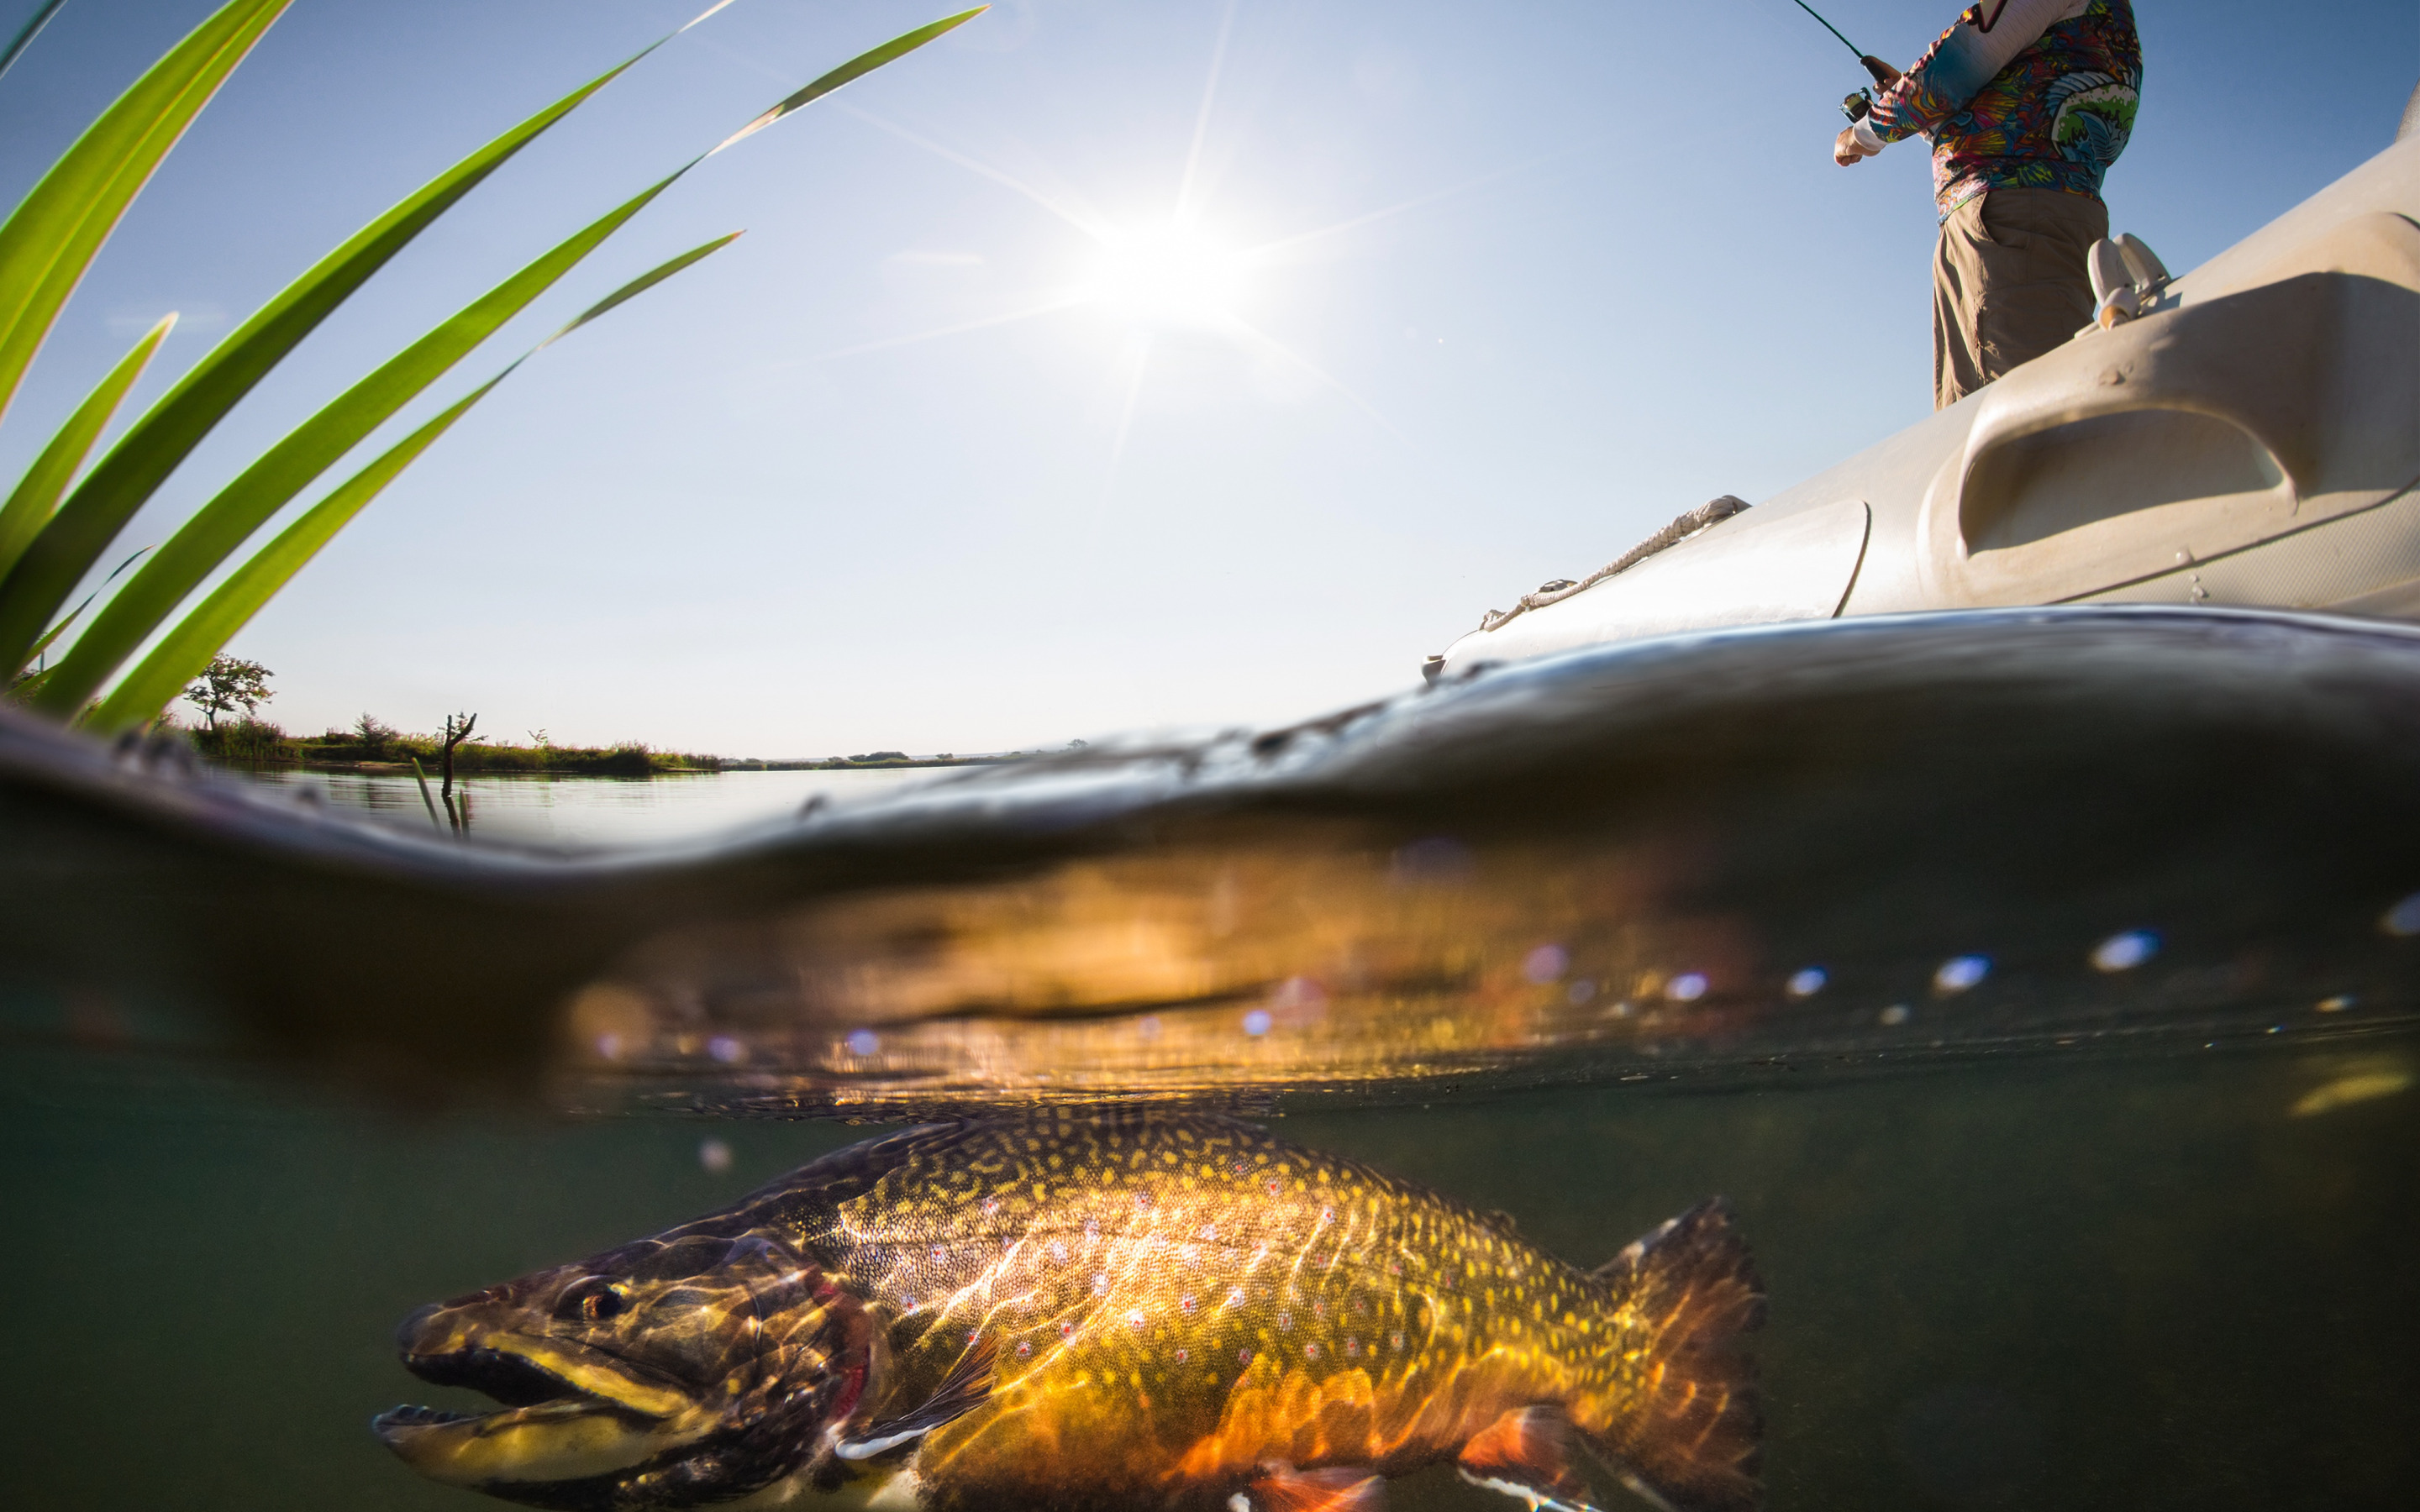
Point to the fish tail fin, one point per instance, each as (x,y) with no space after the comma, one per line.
(1686,1437)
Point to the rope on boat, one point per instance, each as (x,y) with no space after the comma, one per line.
(1711,513)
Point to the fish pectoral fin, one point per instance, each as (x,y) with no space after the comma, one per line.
(1526,1454)
(967,1387)
(1334,1488)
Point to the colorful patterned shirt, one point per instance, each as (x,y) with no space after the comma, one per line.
(2020,94)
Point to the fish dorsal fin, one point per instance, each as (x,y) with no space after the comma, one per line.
(964,1388)
(1526,1454)
(1335,1489)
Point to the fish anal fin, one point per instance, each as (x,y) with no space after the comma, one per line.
(1333,1489)
(967,1387)
(1526,1454)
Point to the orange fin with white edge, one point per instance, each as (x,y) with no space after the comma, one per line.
(1335,1489)
(1526,1455)
(1688,1439)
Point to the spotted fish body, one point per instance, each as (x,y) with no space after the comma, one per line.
(1154,1311)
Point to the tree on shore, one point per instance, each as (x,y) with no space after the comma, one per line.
(227,684)
(375,733)
(458,729)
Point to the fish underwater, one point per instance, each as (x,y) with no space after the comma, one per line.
(1080,1311)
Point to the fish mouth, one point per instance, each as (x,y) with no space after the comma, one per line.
(567,1412)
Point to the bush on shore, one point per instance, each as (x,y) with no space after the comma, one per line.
(261,743)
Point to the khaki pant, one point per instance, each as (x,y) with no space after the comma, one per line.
(2009,282)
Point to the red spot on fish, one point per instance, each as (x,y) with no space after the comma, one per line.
(1065,1328)
(1182,1357)
(1275,1186)
(1311,1352)
(1243,1357)
(1024,1348)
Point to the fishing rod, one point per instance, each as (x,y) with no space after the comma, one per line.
(1854,106)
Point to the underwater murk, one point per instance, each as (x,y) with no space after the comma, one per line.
(1959,1061)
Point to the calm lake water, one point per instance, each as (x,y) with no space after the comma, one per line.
(604,811)
(2044,991)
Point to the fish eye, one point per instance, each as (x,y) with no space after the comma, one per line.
(592,1301)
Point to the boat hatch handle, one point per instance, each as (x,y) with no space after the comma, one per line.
(2200,429)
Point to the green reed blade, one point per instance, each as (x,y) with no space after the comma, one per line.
(857,67)
(69,617)
(27,687)
(223,524)
(38,492)
(186,650)
(179,657)
(26,34)
(644,282)
(143,458)
(57,229)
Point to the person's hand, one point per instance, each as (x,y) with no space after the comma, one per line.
(1847,149)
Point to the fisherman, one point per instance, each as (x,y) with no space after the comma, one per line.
(2027,102)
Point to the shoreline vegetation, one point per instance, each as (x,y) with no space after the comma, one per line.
(373,748)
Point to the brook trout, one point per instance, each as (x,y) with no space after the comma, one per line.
(1083,1312)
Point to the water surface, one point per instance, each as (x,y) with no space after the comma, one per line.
(595,812)
(2043,986)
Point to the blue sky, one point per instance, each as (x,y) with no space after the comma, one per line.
(1462,297)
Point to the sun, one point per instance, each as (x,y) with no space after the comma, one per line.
(1167,276)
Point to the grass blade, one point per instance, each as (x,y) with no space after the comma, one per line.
(219,527)
(180,657)
(644,282)
(143,458)
(38,492)
(57,229)
(26,34)
(29,683)
(69,618)
(422,778)
(856,68)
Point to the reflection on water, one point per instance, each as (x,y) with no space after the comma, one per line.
(598,812)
